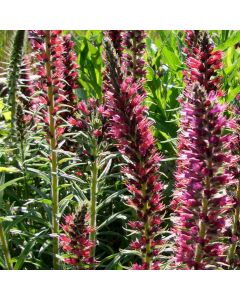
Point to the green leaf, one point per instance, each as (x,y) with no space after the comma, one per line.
(21,259)
(171,58)
(10,169)
(106,170)
(116,216)
(7,115)
(7,218)
(229,42)
(71,177)
(232,93)
(131,252)
(9,183)
(114,262)
(40,174)
(64,203)
(110,198)
(1,105)
(80,192)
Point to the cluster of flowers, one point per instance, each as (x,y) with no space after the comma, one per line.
(63,68)
(201,206)
(75,240)
(202,61)
(202,66)
(130,129)
(199,48)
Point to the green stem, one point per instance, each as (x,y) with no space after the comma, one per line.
(233,246)
(54,161)
(5,248)
(93,199)
(25,192)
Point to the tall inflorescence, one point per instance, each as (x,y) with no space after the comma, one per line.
(91,147)
(48,47)
(130,128)
(75,241)
(202,204)
(59,82)
(55,102)
(64,73)
(13,75)
(202,65)
(202,174)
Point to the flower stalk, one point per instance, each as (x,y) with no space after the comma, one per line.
(93,199)
(130,129)
(89,146)
(53,160)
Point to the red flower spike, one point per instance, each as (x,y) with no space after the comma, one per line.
(202,175)
(75,240)
(130,128)
(63,79)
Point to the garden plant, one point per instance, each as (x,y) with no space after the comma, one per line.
(119,150)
